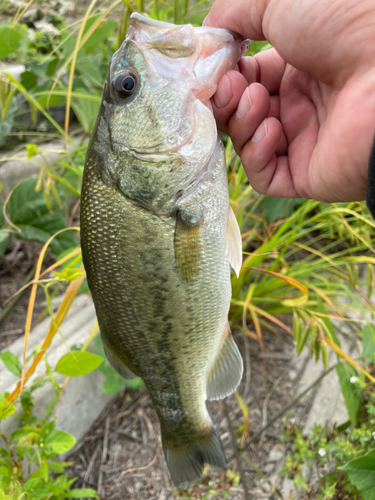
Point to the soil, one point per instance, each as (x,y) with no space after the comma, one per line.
(121,456)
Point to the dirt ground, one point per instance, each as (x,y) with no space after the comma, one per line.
(121,455)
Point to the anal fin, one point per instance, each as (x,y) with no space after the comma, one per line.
(226,371)
(234,242)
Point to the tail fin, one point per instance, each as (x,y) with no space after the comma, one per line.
(185,462)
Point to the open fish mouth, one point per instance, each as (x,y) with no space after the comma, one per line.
(197,57)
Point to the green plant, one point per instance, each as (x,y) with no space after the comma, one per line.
(34,212)
(301,258)
(342,456)
(28,470)
(209,488)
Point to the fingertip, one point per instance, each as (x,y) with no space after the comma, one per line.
(225,101)
(271,130)
(258,154)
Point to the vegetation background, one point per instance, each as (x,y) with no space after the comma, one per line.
(308,270)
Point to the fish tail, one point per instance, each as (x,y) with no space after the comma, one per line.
(186,462)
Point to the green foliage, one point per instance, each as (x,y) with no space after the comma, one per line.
(10,38)
(344,456)
(37,443)
(361,473)
(347,374)
(12,363)
(209,488)
(279,208)
(38,216)
(368,342)
(28,470)
(75,364)
(6,409)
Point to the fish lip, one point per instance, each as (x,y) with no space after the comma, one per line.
(223,33)
(136,16)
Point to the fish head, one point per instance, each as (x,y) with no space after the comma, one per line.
(156,77)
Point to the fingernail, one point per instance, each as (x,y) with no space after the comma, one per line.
(260,132)
(224,93)
(244,105)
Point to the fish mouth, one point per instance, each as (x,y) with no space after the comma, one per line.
(195,57)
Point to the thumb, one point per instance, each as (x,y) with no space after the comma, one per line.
(242,16)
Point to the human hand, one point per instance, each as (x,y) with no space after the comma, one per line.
(302,115)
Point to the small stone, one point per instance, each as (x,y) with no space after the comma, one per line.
(45,27)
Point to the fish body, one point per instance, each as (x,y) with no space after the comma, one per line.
(158,234)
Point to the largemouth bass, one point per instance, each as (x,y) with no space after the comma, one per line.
(158,233)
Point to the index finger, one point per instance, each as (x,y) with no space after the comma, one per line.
(242,16)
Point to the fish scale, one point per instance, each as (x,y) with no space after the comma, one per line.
(158,235)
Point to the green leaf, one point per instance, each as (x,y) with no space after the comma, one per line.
(86,112)
(12,363)
(78,363)
(69,263)
(9,40)
(28,79)
(100,34)
(279,208)
(361,473)
(257,47)
(4,240)
(69,274)
(31,484)
(134,383)
(345,372)
(4,471)
(368,342)
(59,442)
(27,210)
(58,467)
(32,150)
(4,234)
(6,409)
(82,493)
(112,385)
(321,308)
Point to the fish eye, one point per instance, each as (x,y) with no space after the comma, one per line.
(125,84)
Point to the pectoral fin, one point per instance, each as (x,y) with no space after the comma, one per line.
(187,246)
(226,371)
(234,242)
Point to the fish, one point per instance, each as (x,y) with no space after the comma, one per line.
(158,234)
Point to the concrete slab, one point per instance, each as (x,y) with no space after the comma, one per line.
(83,399)
(14,70)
